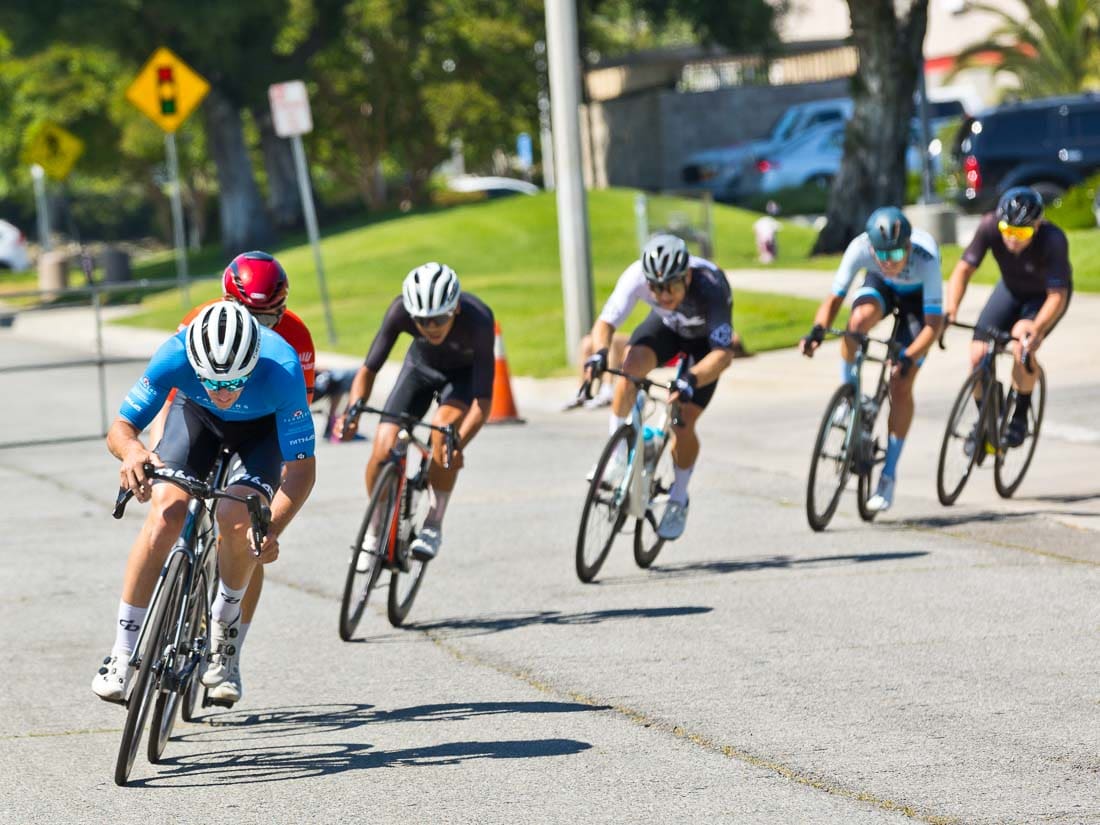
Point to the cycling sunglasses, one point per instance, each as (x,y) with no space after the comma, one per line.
(893,255)
(236,385)
(1020,233)
(667,286)
(434,320)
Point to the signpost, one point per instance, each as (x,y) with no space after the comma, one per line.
(167,91)
(292,118)
(50,151)
(525,152)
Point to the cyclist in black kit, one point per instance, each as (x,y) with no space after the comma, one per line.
(1033,293)
(452,354)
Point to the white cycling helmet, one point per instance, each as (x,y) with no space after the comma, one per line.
(664,258)
(223,342)
(430,289)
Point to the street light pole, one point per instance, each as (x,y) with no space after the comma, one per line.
(573,242)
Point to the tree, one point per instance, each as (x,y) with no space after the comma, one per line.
(889,37)
(1052,50)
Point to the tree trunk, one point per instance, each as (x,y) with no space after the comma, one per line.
(889,36)
(283,200)
(245,224)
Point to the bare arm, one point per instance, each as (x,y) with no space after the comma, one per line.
(925,338)
(477,415)
(297,484)
(361,387)
(124,444)
(602,333)
(824,317)
(711,366)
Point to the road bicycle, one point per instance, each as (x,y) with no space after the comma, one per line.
(978,421)
(852,437)
(397,508)
(641,492)
(174,641)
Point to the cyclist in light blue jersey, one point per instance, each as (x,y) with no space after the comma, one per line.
(242,388)
(902,268)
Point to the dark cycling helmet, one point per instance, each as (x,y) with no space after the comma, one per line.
(1020,206)
(256,280)
(664,258)
(888,228)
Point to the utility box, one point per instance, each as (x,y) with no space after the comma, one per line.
(937,219)
(116,266)
(53,273)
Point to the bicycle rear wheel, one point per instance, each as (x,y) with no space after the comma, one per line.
(147,678)
(358,584)
(831,463)
(604,514)
(170,698)
(963,439)
(1011,464)
(647,544)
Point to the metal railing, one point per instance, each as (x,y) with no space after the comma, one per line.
(49,301)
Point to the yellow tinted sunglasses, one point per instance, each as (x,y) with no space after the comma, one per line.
(1020,233)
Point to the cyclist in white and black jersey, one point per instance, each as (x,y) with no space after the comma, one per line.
(902,267)
(692,314)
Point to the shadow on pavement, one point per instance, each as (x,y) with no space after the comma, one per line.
(309,720)
(479,625)
(959,519)
(247,766)
(687,569)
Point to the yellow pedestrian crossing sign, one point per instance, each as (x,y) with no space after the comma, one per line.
(54,149)
(167,90)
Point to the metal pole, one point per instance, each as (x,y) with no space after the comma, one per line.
(573,244)
(183,279)
(311,227)
(546,142)
(42,206)
(97,306)
(641,220)
(925,139)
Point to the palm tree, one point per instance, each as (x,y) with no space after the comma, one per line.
(1054,49)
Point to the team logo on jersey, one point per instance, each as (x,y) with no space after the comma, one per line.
(722,336)
(145,381)
(301,455)
(298,415)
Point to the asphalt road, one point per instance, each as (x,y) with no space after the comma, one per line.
(938,666)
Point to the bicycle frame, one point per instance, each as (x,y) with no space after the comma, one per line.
(402,514)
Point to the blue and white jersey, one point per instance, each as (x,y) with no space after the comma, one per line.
(921,272)
(277,386)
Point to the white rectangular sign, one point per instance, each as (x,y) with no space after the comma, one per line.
(290,108)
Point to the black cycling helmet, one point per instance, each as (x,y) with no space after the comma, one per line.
(1020,206)
(888,228)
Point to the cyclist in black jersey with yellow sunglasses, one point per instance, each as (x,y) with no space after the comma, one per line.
(1033,293)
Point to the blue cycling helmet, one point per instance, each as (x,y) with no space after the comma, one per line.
(888,228)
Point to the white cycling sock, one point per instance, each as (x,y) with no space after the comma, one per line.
(614,423)
(130,619)
(679,489)
(438,505)
(227,604)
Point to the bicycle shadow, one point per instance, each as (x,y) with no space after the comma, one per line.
(249,766)
(482,625)
(779,562)
(282,722)
(983,517)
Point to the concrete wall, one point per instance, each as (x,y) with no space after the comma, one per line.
(641,140)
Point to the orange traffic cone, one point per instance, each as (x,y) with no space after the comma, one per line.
(503,410)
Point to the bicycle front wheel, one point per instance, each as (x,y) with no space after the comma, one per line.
(604,512)
(365,564)
(1012,462)
(198,629)
(831,463)
(647,544)
(170,698)
(147,678)
(963,438)
(403,590)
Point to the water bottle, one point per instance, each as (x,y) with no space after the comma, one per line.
(653,438)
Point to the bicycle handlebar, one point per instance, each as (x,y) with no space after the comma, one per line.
(409,422)
(258,512)
(644,384)
(999,336)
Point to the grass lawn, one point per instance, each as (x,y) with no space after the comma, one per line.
(505,251)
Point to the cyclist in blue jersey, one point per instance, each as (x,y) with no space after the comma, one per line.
(902,268)
(242,387)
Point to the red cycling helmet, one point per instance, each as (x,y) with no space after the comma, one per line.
(256,280)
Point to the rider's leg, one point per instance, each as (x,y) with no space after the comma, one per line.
(638,361)
(441,480)
(385,436)
(867,310)
(685,451)
(901,417)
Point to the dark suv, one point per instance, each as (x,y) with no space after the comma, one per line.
(1050,144)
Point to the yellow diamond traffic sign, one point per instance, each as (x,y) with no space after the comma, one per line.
(54,149)
(167,90)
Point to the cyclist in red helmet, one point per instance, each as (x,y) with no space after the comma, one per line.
(259,282)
